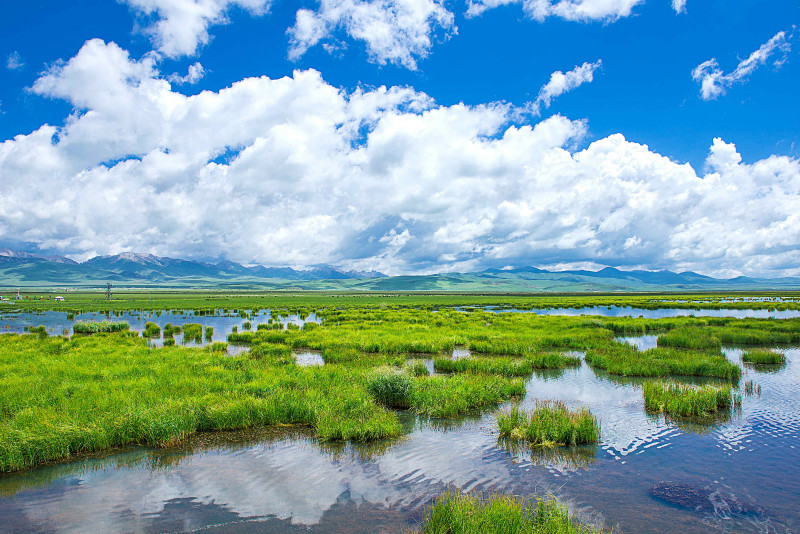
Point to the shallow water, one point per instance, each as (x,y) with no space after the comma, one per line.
(661,313)
(58,323)
(307,358)
(737,476)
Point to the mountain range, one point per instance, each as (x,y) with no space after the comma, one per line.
(129,269)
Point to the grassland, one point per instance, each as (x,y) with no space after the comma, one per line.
(455,513)
(60,397)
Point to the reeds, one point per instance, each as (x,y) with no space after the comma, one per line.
(550,423)
(457,513)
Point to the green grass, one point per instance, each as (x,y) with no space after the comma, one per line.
(690,338)
(550,423)
(193,332)
(450,396)
(61,397)
(685,400)
(456,513)
(763,357)
(418,368)
(506,366)
(624,359)
(151,330)
(391,388)
(97,327)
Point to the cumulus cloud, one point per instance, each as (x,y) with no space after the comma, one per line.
(14,61)
(180,27)
(382,178)
(394,31)
(561,83)
(713,81)
(575,10)
(679,6)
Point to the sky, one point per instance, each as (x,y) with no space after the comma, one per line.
(405,136)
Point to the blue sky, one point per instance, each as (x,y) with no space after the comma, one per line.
(348,187)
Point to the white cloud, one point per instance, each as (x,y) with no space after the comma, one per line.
(181,26)
(194,74)
(679,6)
(561,83)
(713,81)
(14,61)
(575,10)
(295,180)
(394,31)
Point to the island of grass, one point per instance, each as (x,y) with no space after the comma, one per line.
(507,366)
(763,357)
(684,400)
(550,423)
(624,359)
(455,513)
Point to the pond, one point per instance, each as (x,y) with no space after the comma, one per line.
(58,323)
(647,475)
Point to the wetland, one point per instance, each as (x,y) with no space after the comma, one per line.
(358,414)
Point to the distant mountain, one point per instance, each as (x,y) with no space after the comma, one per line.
(15,255)
(146,270)
(136,268)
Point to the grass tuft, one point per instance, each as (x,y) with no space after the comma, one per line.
(456,513)
(391,388)
(763,357)
(550,423)
(685,400)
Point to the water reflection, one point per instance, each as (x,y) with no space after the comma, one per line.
(60,323)
(308,358)
(660,313)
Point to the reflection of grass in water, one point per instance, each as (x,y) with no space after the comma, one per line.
(560,457)
(550,423)
(456,513)
(694,424)
(751,388)
(151,459)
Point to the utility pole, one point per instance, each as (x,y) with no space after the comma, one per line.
(108,291)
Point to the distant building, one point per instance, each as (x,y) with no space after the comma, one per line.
(18,297)
(59,299)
